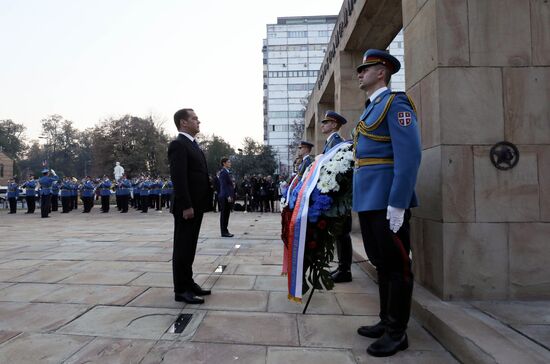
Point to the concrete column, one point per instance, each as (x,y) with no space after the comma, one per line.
(349,101)
(478,72)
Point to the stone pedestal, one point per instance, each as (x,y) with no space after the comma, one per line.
(478,72)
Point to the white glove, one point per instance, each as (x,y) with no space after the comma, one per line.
(53,172)
(396,217)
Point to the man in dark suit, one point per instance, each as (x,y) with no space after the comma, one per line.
(225,196)
(189,175)
(330,126)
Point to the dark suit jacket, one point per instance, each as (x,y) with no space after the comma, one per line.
(189,175)
(226,185)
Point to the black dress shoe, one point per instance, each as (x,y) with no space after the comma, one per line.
(199,291)
(227,235)
(341,276)
(388,345)
(188,297)
(374,331)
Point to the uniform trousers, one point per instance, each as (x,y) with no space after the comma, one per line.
(88,202)
(343,246)
(105,203)
(45,201)
(124,203)
(389,253)
(13,205)
(31,204)
(144,203)
(54,202)
(66,203)
(225,211)
(186,234)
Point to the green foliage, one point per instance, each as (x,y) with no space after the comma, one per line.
(137,143)
(11,138)
(215,148)
(254,158)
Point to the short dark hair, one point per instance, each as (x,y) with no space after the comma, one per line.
(181,114)
(224,159)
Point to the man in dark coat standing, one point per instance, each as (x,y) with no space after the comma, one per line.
(225,196)
(189,175)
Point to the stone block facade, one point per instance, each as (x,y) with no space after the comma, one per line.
(6,168)
(478,72)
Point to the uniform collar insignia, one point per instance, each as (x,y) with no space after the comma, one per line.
(378,99)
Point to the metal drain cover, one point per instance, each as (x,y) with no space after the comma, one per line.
(181,323)
(220,268)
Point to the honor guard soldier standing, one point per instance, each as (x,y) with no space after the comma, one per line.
(330,126)
(13,193)
(303,152)
(387,154)
(30,194)
(46,182)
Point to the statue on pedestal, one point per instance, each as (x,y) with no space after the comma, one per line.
(118,171)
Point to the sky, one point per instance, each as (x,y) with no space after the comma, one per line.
(92,60)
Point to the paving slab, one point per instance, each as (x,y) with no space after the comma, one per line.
(41,348)
(37,317)
(309,356)
(248,328)
(107,292)
(112,351)
(123,322)
(177,353)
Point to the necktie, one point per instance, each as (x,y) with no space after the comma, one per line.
(196,144)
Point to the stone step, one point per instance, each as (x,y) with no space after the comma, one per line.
(468,333)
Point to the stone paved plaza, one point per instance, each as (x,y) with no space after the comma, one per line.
(97,288)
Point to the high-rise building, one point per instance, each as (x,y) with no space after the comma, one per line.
(292,54)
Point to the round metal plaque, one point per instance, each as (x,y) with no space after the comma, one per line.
(504,155)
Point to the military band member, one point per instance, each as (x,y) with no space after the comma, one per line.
(105,193)
(11,195)
(30,194)
(330,126)
(144,193)
(66,193)
(124,192)
(46,182)
(387,154)
(87,195)
(304,149)
(54,203)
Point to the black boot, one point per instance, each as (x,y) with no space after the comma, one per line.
(399,309)
(388,345)
(376,331)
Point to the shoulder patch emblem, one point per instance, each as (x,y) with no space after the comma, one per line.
(404,118)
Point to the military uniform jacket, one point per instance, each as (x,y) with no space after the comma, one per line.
(387,154)
(332,141)
(305,163)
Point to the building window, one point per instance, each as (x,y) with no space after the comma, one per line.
(1,170)
(297,34)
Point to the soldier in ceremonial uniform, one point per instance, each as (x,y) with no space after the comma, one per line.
(303,152)
(330,126)
(105,193)
(87,194)
(124,192)
(55,195)
(30,194)
(12,194)
(46,182)
(66,195)
(387,154)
